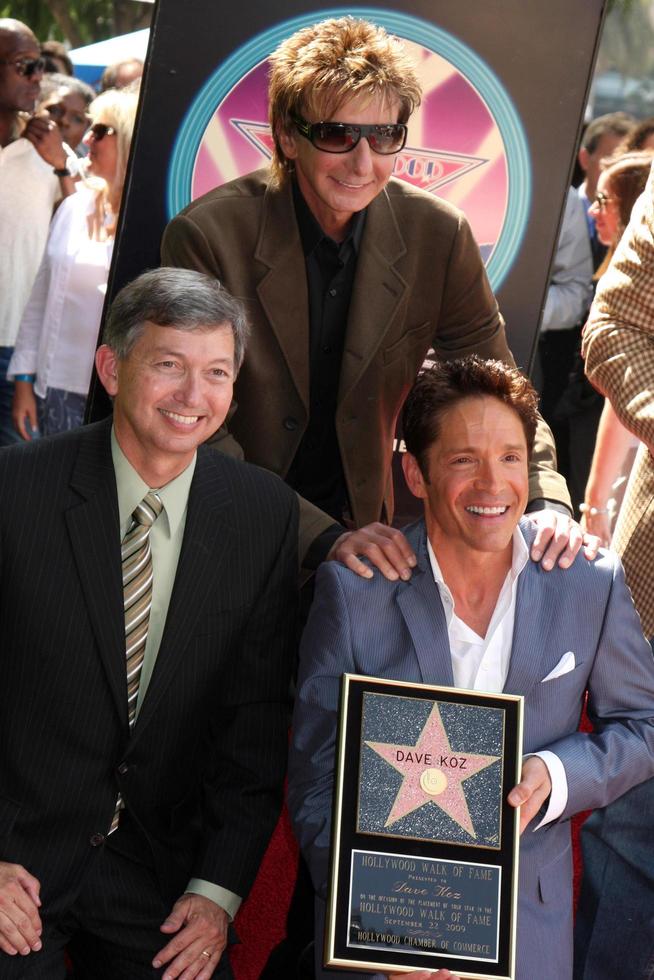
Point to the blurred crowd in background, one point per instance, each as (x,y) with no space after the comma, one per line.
(64,152)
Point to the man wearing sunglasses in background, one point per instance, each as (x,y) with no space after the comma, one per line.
(36,173)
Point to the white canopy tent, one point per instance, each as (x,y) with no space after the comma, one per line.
(91,60)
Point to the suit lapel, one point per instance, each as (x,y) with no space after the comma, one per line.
(378,288)
(378,291)
(93,527)
(535,603)
(420,604)
(208,542)
(283,290)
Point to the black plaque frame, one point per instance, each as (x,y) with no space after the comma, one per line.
(348,843)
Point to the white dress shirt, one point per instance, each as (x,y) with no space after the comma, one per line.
(59,327)
(29,190)
(482,663)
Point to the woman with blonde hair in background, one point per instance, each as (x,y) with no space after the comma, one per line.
(620,184)
(53,357)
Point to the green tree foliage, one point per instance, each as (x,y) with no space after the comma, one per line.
(628,39)
(83,21)
(79,22)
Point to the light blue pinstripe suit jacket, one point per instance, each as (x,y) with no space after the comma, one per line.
(398,630)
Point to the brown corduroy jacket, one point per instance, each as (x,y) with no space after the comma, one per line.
(420,284)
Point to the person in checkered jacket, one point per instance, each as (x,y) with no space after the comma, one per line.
(615,919)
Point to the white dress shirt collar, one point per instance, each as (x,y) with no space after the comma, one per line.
(482,663)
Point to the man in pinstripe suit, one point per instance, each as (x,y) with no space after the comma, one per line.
(129,835)
(478,614)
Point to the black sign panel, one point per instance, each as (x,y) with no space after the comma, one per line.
(495,134)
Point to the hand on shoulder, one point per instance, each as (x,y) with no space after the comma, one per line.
(385,547)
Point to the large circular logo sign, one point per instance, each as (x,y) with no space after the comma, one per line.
(466,143)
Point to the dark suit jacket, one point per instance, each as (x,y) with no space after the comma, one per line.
(420,283)
(202,772)
(398,630)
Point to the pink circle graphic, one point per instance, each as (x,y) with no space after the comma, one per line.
(454,147)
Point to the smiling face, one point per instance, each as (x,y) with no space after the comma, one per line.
(171,392)
(18,93)
(336,185)
(606,216)
(477,483)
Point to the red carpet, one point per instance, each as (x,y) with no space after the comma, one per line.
(261,921)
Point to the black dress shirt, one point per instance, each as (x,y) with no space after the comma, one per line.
(317,470)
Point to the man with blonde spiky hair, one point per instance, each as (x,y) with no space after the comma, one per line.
(322,66)
(350,277)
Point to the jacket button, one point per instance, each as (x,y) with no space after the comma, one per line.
(122,768)
(96,839)
(289,423)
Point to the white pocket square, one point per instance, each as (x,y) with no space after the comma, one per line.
(564,666)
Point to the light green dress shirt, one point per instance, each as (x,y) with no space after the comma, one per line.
(166,539)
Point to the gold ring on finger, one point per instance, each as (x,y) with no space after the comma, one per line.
(205,952)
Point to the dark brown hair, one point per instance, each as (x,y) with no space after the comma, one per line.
(627,175)
(638,136)
(55,49)
(613,124)
(445,383)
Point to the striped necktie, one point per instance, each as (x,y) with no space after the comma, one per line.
(136,557)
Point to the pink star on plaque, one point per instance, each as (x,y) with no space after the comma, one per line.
(432,773)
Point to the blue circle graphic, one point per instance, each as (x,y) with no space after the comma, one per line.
(466,61)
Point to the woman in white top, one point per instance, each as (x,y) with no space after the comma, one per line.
(620,184)
(53,356)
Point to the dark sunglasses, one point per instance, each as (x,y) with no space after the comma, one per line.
(337,137)
(26,66)
(99,130)
(602,200)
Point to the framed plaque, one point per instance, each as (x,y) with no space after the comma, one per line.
(424,866)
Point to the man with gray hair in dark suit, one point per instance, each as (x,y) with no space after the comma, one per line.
(477,614)
(147,588)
